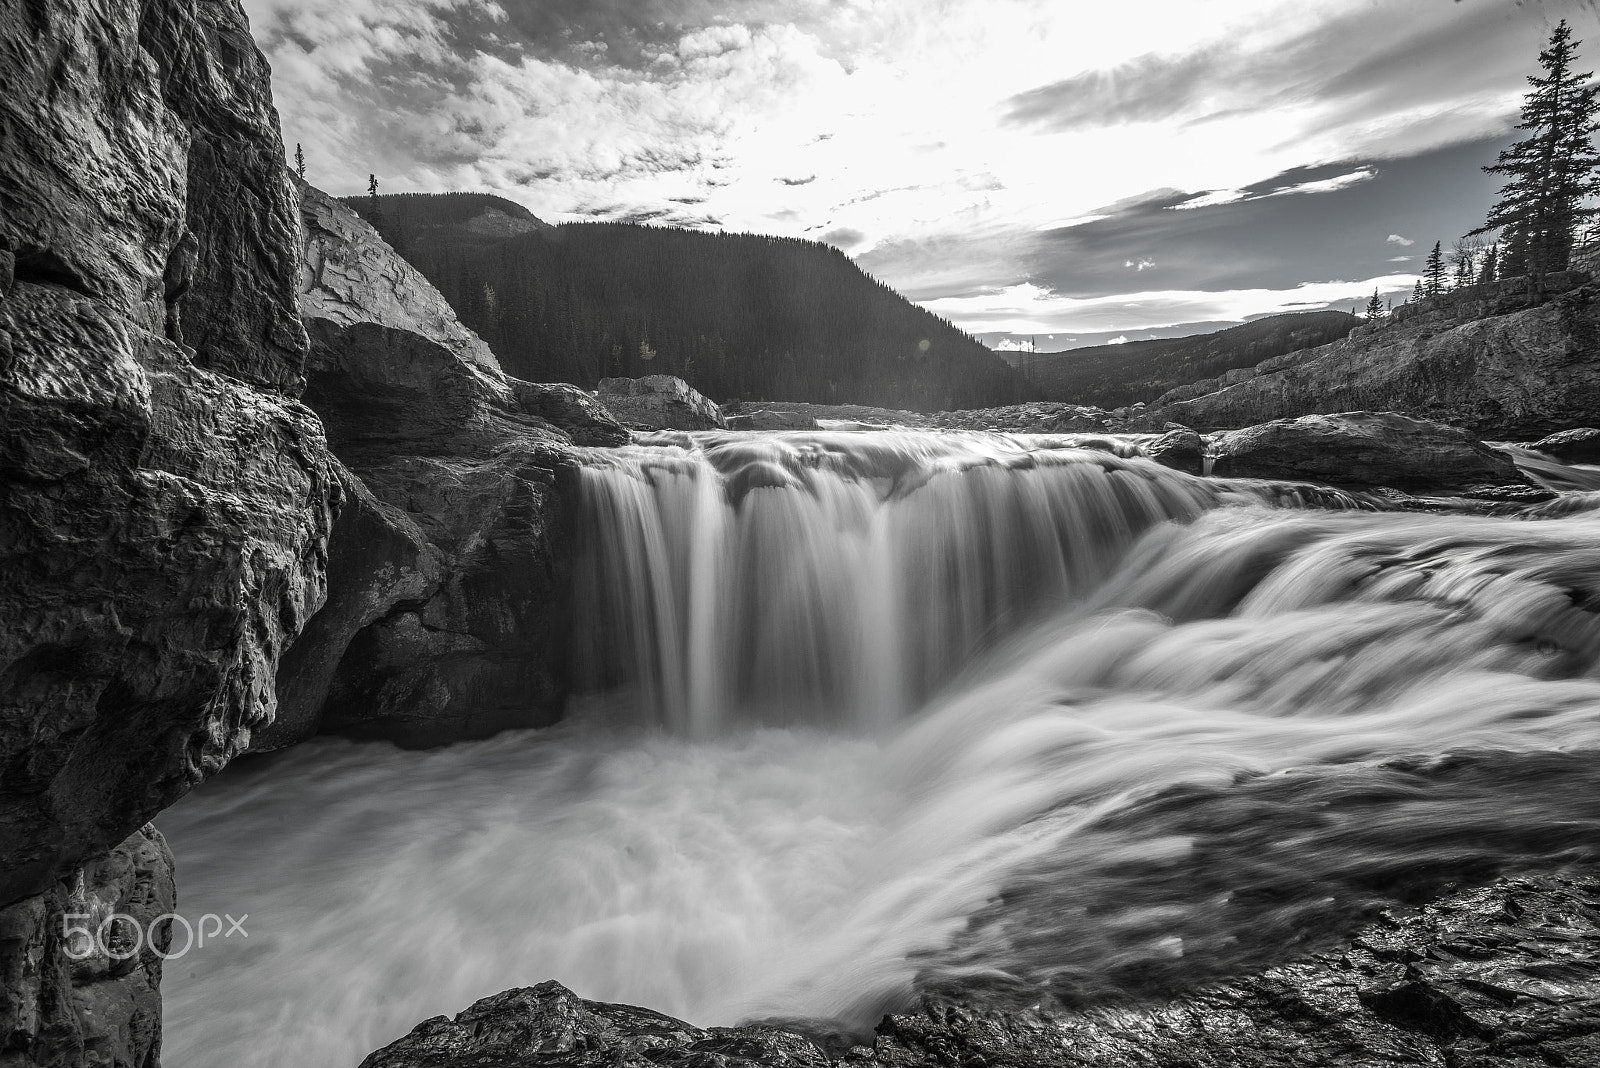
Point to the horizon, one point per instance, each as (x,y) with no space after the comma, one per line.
(1250,159)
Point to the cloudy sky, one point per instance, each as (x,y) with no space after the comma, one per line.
(1071,170)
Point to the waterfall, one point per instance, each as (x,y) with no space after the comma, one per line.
(837,577)
(1006,718)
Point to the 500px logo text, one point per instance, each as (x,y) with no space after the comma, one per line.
(119,936)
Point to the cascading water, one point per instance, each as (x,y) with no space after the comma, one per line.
(988,714)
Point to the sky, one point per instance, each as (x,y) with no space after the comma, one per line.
(1049,172)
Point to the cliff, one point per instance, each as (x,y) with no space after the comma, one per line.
(165,501)
(1500,359)
(447,565)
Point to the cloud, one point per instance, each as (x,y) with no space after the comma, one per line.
(1396,239)
(1140,265)
(1120,339)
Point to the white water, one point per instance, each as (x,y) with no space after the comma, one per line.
(1182,748)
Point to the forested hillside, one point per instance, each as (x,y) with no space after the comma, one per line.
(736,315)
(1115,375)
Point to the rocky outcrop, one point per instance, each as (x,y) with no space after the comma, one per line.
(165,502)
(163,517)
(446,567)
(1578,446)
(1363,449)
(659,402)
(1180,449)
(1504,360)
(1035,417)
(1504,976)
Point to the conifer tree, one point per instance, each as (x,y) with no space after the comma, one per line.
(1433,276)
(1417,293)
(1553,169)
(1465,258)
(1374,307)
(374,213)
(1488,272)
(299,161)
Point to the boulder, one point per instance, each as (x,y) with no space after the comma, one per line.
(1580,446)
(659,402)
(1363,449)
(770,419)
(1182,450)
(1506,360)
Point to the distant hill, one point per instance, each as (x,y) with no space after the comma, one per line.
(736,315)
(1112,376)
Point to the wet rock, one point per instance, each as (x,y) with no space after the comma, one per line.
(1504,360)
(659,402)
(751,418)
(1363,449)
(1580,446)
(1181,450)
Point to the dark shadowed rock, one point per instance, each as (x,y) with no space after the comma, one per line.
(63,1000)
(1499,359)
(660,402)
(1362,449)
(1580,446)
(1181,450)
(550,1025)
(443,617)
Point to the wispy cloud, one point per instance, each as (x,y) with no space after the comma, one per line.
(1396,239)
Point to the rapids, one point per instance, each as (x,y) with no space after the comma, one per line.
(992,715)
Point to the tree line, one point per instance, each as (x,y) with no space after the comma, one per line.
(1551,174)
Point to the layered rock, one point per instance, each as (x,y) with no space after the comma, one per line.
(1506,360)
(1498,977)
(1577,446)
(1363,449)
(443,616)
(660,402)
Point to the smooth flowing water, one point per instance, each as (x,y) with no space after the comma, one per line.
(880,712)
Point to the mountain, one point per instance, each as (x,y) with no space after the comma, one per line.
(1112,376)
(734,315)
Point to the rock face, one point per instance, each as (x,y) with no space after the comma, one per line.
(163,517)
(1505,976)
(1498,359)
(1363,449)
(659,402)
(165,502)
(446,567)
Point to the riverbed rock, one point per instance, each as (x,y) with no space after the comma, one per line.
(1578,446)
(660,402)
(1182,450)
(1502,976)
(446,568)
(1507,360)
(1363,449)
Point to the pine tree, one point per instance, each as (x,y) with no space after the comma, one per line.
(1465,258)
(1417,293)
(1374,307)
(1488,272)
(299,161)
(374,213)
(1433,272)
(1553,169)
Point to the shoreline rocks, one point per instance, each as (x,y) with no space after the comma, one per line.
(659,402)
(1501,976)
